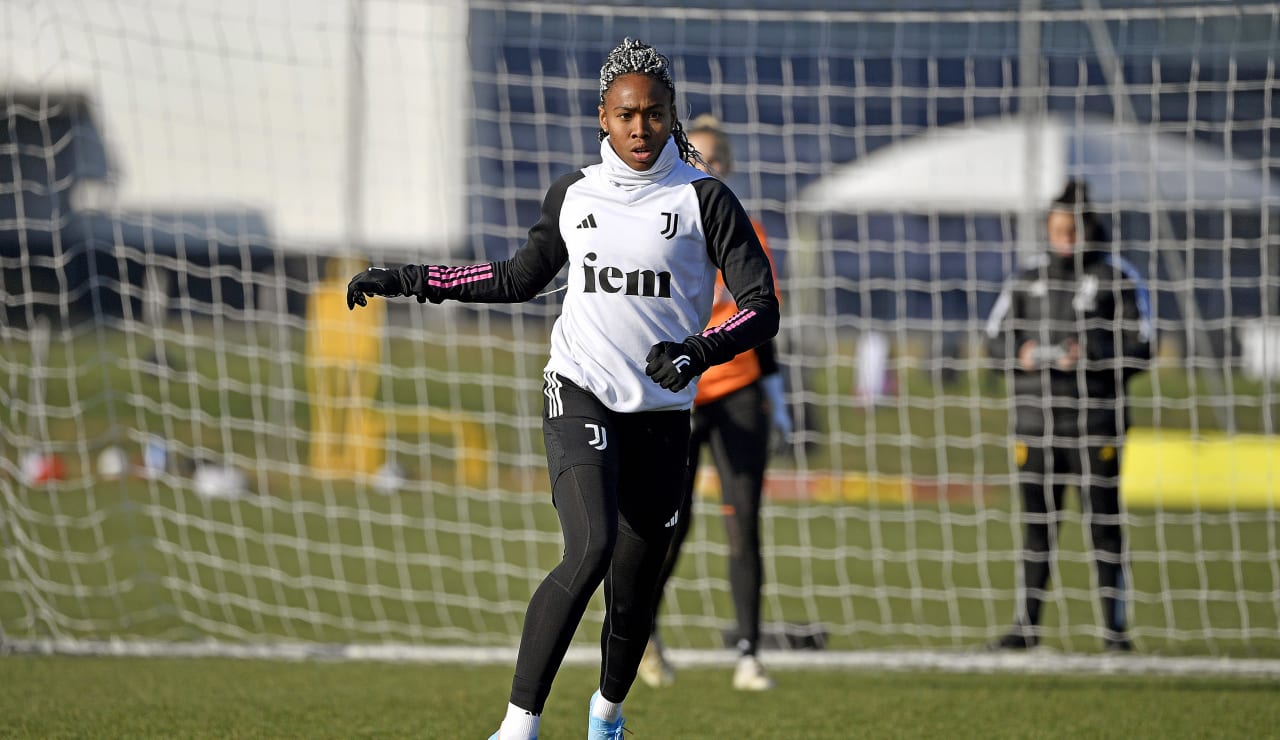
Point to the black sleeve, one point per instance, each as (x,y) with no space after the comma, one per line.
(1137,342)
(996,330)
(1005,329)
(767,356)
(1128,336)
(514,280)
(733,247)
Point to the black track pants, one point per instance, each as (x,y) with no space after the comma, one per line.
(616,481)
(1044,472)
(737,429)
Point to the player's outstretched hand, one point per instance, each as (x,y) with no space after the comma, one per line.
(373,281)
(672,365)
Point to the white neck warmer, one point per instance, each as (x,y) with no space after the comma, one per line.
(621,176)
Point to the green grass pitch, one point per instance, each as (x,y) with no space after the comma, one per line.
(59,697)
(143,559)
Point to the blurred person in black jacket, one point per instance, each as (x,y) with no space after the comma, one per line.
(1070,332)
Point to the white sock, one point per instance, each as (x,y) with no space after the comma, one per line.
(606,710)
(519,724)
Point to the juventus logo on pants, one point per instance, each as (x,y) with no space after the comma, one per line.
(673,223)
(601,438)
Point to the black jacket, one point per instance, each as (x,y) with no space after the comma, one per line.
(1094,299)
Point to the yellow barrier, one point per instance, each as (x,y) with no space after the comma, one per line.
(343,351)
(348,431)
(1172,468)
(472,461)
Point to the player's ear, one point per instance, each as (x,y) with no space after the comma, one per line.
(602,121)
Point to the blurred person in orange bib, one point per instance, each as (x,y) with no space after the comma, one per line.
(739,410)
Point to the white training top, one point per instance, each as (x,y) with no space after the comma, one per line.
(643,249)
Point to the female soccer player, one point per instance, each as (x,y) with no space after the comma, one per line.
(738,408)
(643,233)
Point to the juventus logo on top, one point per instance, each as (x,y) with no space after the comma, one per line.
(681,362)
(1086,297)
(601,438)
(673,223)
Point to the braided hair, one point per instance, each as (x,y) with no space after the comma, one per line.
(634,56)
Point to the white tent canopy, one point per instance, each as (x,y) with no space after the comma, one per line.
(1019,163)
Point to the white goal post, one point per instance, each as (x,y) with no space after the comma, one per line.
(202,450)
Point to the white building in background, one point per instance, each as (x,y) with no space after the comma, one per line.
(344,124)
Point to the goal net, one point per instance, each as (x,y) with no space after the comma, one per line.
(201,445)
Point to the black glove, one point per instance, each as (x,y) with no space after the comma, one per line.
(673,366)
(373,281)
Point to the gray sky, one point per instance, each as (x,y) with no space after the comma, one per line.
(239,103)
